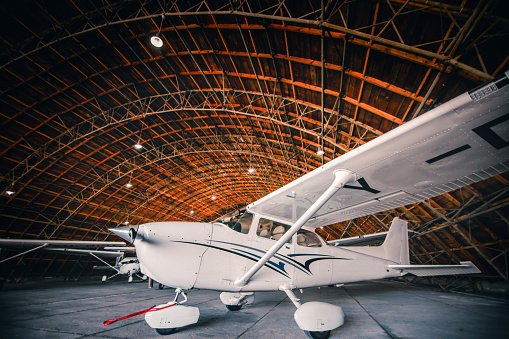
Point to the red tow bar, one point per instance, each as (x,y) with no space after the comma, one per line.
(151,309)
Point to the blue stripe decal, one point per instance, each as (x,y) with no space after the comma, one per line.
(279,267)
(233,252)
(278,256)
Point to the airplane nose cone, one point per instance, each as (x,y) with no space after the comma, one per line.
(126,232)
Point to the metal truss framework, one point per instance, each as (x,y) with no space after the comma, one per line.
(73,135)
(109,15)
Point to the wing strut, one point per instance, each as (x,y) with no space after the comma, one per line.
(116,269)
(342,178)
(20,254)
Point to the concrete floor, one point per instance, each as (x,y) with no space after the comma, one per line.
(375,309)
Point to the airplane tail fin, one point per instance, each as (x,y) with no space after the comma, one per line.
(395,246)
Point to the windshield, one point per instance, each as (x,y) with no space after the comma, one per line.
(271,229)
(239,221)
(308,239)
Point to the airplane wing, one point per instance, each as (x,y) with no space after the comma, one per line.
(456,144)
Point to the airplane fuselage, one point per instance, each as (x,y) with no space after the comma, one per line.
(212,256)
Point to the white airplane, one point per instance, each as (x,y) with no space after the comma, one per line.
(124,266)
(273,245)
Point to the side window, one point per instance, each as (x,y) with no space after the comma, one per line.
(271,229)
(241,224)
(308,239)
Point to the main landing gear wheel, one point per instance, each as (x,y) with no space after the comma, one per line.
(166,331)
(317,334)
(234,307)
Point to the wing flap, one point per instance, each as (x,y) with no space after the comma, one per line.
(466,267)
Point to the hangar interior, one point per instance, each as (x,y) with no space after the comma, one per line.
(101,128)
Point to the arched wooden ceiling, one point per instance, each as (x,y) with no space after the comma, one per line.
(236,84)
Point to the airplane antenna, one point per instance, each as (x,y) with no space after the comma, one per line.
(156,39)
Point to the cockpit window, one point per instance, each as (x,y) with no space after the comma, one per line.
(129,261)
(308,239)
(271,229)
(239,221)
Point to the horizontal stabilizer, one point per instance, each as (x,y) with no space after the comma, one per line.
(466,267)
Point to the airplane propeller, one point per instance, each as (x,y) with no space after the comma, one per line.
(127,233)
(130,233)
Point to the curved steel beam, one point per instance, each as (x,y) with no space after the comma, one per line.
(317,23)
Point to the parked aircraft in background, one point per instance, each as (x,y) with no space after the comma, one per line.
(273,245)
(113,249)
(129,266)
(124,266)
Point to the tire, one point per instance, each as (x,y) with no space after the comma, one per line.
(166,331)
(234,307)
(317,334)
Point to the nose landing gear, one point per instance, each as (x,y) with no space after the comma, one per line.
(172,315)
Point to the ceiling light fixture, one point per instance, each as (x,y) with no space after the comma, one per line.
(192,212)
(10,190)
(128,185)
(320,151)
(156,40)
(138,146)
(126,222)
(251,170)
(213,197)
